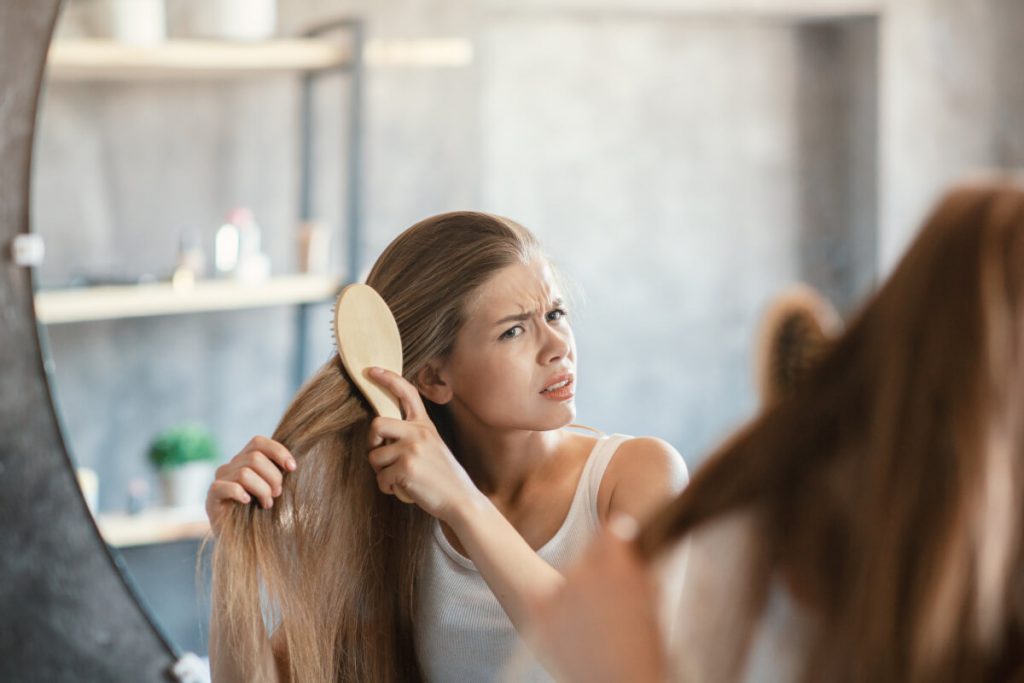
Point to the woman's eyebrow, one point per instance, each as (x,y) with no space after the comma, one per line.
(520,317)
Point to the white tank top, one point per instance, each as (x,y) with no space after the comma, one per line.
(462,633)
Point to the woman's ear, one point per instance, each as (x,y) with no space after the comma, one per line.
(430,383)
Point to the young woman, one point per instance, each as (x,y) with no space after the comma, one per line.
(869,527)
(356,585)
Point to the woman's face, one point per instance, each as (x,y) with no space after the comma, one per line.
(513,365)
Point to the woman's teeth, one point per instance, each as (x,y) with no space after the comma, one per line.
(555,387)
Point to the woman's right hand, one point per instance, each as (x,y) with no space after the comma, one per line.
(256,472)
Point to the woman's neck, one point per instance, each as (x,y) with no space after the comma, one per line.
(502,462)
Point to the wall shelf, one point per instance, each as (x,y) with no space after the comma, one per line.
(154,525)
(334,48)
(108,60)
(138,301)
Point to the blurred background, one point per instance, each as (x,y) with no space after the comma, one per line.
(207,175)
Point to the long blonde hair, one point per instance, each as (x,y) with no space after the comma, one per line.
(333,564)
(888,488)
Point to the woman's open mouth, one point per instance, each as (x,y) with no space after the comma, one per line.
(562,388)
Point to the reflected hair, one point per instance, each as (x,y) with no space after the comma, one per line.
(887,490)
(331,568)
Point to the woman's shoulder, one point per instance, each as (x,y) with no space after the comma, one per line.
(648,459)
(644,473)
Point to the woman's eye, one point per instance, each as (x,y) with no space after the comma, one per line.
(512,332)
(557,314)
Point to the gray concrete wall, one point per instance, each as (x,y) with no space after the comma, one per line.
(679,168)
(664,162)
(952,101)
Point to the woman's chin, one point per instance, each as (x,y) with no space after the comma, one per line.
(550,418)
(562,415)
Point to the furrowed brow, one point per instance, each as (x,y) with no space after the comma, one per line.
(519,317)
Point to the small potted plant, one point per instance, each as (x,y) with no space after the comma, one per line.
(184,456)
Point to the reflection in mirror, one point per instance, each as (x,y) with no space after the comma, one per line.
(170,178)
(684,164)
(66,613)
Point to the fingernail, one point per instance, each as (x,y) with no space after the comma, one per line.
(623,527)
(247,499)
(292,465)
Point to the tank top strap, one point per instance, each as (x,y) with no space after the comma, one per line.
(593,472)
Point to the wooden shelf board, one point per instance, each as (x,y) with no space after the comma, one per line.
(136,301)
(94,59)
(155,525)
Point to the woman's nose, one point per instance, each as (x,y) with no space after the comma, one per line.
(557,345)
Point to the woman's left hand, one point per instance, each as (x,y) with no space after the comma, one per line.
(409,455)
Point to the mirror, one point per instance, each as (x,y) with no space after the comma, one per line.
(681,162)
(175,165)
(66,612)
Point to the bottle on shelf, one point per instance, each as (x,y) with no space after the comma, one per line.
(237,248)
(191,262)
(225,248)
(313,248)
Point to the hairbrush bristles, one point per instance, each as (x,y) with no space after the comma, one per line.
(795,331)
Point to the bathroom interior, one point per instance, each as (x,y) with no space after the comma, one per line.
(207,174)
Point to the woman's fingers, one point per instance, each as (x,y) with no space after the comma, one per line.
(384,459)
(384,429)
(403,390)
(257,486)
(268,470)
(384,456)
(230,490)
(393,474)
(256,472)
(395,480)
(273,450)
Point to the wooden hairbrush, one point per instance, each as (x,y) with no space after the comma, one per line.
(366,335)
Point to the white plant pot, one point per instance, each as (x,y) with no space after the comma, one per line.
(140,22)
(186,486)
(235,19)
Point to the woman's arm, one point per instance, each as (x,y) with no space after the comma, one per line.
(514,572)
(646,473)
(643,475)
(410,455)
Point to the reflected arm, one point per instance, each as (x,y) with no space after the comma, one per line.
(643,475)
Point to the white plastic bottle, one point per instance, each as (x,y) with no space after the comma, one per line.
(225,248)
(253,264)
